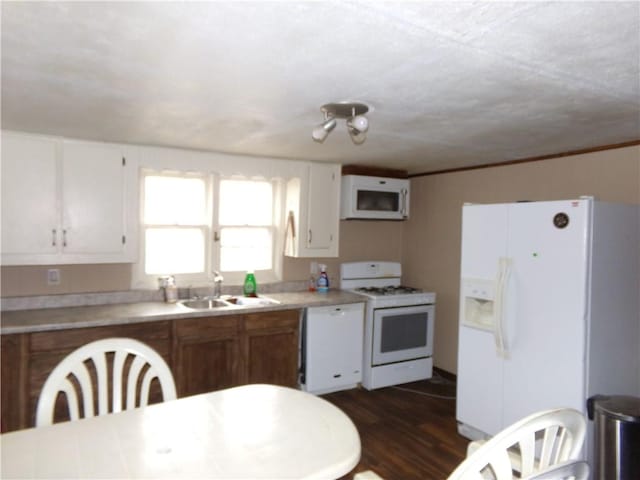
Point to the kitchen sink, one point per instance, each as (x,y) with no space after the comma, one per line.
(254,301)
(209,303)
(205,303)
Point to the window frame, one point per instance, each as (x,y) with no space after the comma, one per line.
(236,277)
(211,230)
(143,279)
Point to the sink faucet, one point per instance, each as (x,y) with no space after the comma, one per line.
(217,284)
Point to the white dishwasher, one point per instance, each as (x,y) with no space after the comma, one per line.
(332,341)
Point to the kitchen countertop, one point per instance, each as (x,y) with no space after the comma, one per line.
(47,319)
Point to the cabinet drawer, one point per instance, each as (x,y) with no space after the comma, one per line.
(268,320)
(155,334)
(208,327)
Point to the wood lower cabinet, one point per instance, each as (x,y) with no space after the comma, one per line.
(14,363)
(270,348)
(221,352)
(205,354)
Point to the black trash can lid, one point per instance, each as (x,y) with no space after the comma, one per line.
(621,407)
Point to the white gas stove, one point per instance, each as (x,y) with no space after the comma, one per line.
(398,323)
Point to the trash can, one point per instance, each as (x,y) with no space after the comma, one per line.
(617,436)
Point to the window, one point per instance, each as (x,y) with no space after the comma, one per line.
(246,222)
(195,224)
(175,224)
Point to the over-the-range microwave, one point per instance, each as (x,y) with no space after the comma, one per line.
(378,198)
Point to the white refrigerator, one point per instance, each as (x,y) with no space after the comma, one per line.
(549,309)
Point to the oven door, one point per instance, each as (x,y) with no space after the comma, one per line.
(402,333)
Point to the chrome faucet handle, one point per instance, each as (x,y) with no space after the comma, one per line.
(217,277)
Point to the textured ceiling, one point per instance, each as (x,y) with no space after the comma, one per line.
(451,84)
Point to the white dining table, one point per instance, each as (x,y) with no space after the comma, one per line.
(248,432)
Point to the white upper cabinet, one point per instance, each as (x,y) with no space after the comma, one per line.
(93,179)
(313,212)
(66,202)
(30,219)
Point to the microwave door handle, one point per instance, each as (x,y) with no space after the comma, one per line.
(404,202)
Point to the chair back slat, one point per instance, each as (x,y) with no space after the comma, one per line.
(82,376)
(146,386)
(527,453)
(119,360)
(72,399)
(99,361)
(501,465)
(548,443)
(564,446)
(132,381)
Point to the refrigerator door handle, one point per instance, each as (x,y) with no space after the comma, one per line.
(502,282)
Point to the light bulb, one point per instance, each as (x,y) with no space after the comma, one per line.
(359,122)
(321,132)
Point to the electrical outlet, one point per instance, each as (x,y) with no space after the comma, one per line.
(53,276)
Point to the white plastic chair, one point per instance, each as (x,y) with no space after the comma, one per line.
(571,470)
(529,446)
(367,475)
(146,365)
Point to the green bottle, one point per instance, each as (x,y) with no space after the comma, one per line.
(250,288)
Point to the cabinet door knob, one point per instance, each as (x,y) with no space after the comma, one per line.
(64,238)
(53,237)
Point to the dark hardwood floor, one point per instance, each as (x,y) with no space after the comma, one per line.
(408,432)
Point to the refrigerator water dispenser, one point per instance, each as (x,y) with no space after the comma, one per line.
(478,303)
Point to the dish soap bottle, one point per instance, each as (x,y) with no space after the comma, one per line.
(250,288)
(323,280)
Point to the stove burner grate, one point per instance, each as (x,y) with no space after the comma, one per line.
(389,290)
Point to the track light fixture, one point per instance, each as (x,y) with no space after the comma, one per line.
(357,123)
